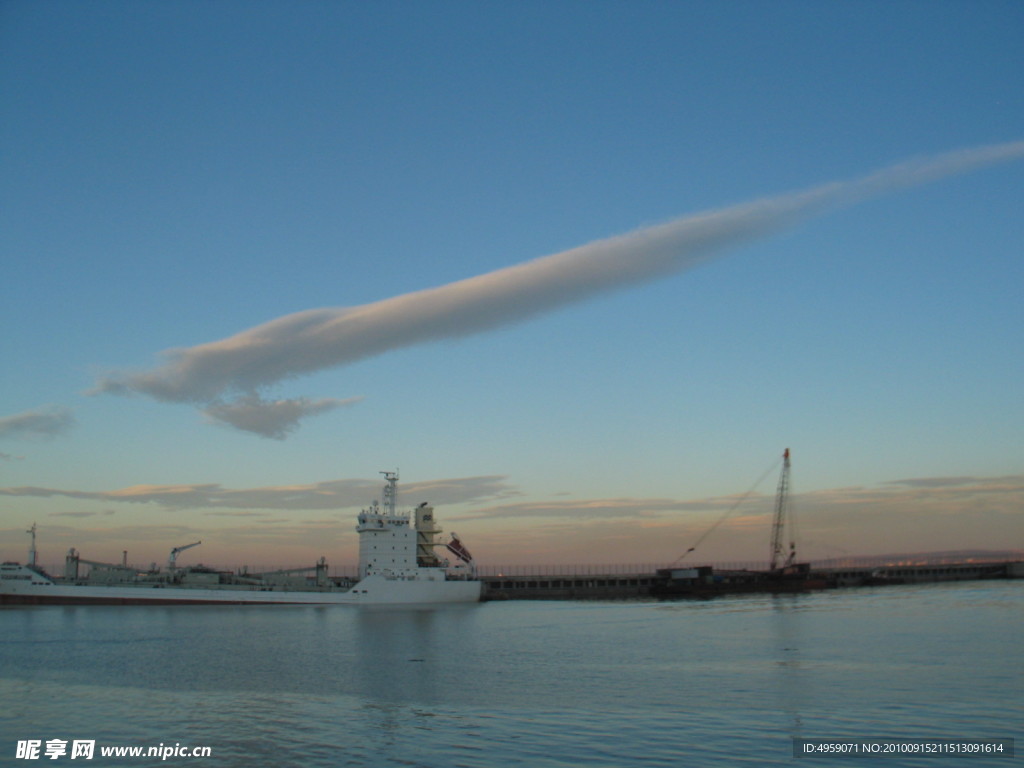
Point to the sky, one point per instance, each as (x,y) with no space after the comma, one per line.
(578,271)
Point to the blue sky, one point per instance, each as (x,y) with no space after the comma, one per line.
(177,174)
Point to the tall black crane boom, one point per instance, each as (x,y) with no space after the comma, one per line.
(778,559)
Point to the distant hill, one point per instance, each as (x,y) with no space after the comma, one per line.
(924,558)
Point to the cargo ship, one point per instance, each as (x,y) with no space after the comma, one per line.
(399,564)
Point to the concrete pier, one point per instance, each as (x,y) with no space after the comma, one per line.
(624,586)
(584,587)
(920,574)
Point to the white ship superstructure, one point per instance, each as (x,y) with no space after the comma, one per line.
(398,564)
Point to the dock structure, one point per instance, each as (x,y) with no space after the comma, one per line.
(606,586)
(783,574)
(706,581)
(921,573)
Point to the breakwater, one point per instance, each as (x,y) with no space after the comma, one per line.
(706,581)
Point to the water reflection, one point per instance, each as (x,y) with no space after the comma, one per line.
(411,656)
(790,678)
(553,684)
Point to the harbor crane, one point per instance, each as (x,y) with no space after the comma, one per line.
(178,550)
(778,559)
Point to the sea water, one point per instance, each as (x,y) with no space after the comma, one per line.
(730,681)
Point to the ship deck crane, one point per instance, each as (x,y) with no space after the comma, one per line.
(178,550)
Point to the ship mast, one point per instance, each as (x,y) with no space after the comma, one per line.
(32,547)
(390,493)
(781,516)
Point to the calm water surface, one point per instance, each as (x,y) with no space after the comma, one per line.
(538,684)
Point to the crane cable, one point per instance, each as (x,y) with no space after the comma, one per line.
(728,512)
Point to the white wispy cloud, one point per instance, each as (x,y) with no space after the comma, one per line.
(242,365)
(48,421)
(270,418)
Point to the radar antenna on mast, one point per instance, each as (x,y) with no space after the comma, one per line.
(390,492)
(32,547)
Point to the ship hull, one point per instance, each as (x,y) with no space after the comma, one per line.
(374,590)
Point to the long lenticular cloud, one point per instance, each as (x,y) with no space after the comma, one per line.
(317,339)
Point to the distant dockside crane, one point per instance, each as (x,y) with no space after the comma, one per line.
(173,559)
(779,559)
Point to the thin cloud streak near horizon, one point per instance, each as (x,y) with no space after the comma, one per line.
(494,497)
(327,495)
(242,365)
(45,422)
(952,511)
